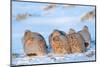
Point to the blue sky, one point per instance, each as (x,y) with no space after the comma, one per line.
(59,18)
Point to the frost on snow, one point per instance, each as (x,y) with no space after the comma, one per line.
(51,58)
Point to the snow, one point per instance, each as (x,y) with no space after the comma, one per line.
(89,55)
(64,18)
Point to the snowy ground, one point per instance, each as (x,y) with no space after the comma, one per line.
(50,58)
(45,22)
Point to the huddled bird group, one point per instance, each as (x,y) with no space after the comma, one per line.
(61,43)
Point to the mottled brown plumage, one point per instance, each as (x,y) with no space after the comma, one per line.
(89,15)
(34,44)
(24,16)
(49,7)
(75,41)
(58,42)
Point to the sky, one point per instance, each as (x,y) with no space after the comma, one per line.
(57,18)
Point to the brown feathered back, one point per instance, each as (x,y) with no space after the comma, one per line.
(58,42)
(75,41)
(34,44)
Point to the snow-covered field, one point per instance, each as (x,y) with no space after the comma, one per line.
(30,16)
(51,58)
